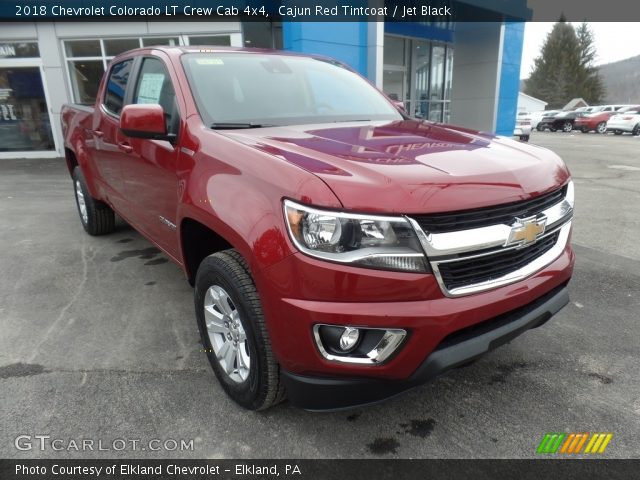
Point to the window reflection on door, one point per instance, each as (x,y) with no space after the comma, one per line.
(24,119)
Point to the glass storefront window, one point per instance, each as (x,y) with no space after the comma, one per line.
(83,48)
(394,76)
(393,81)
(85,78)
(419,72)
(218,40)
(24,120)
(88,59)
(262,34)
(19,50)
(449,74)
(437,73)
(421,50)
(170,41)
(394,51)
(119,45)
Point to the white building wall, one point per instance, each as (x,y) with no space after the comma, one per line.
(527,103)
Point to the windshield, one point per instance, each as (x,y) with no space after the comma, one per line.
(235,88)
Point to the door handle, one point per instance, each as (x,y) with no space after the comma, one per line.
(125,147)
(98,133)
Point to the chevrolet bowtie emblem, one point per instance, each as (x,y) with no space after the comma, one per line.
(526,231)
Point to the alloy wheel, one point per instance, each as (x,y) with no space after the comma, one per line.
(82,205)
(227,334)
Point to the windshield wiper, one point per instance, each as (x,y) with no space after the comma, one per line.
(232,126)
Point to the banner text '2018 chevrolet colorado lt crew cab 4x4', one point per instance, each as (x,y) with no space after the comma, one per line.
(340,251)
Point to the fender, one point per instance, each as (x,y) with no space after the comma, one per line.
(243,208)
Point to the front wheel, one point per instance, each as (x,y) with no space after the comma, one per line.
(636,130)
(539,128)
(601,127)
(234,333)
(96,217)
(524,138)
(567,127)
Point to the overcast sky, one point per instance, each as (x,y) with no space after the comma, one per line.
(614,41)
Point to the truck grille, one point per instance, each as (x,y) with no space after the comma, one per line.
(483,217)
(471,271)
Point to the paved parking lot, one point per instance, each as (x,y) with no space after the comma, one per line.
(98,341)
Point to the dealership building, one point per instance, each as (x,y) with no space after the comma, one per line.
(465,73)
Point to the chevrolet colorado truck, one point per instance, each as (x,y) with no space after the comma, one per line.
(340,251)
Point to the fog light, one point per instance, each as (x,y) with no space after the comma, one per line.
(349,339)
(357,344)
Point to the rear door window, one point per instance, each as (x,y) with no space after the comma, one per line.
(117,86)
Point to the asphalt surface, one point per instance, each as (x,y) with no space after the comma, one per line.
(98,341)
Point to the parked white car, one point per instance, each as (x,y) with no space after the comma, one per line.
(523,126)
(628,121)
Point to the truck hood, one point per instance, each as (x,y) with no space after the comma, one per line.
(412,166)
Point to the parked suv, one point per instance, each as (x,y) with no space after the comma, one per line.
(340,251)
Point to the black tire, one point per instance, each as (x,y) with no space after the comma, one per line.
(539,128)
(636,130)
(524,138)
(263,386)
(567,127)
(617,132)
(99,218)
(601,127)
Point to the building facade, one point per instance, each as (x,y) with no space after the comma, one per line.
(461,73)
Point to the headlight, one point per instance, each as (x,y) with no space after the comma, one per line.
(386,243)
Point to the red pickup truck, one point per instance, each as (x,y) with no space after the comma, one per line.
(340,251)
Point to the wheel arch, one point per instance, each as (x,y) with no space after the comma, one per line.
(71,159)
(197,242)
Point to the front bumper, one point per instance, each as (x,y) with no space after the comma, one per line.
(522,130)
(325,393)
(300,292)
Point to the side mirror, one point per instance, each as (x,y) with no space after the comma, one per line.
(399,104)
(144,121)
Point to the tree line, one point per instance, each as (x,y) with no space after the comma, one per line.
(565,68)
